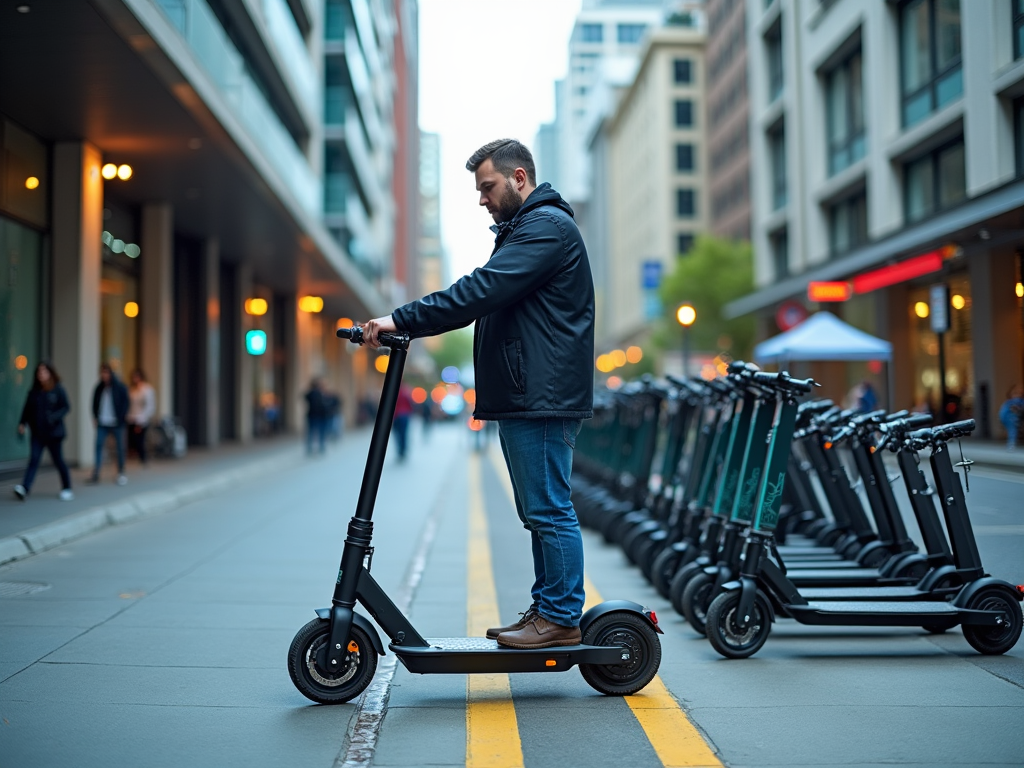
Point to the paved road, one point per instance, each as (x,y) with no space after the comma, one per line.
(163,643)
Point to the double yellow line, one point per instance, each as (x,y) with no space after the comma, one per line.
(492,731)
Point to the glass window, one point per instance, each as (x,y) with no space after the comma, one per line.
(1018,28)
(686,203)
(777,152)
(773,46)
(1018,128)
(780,254)
(24,175)
(684,113)
(844,104)
(684,243)
(682,71)
(930,60)
(934,182)
(631,33)
(592,33)
(848,224)
(684,157)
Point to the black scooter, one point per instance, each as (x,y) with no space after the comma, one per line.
(333,658)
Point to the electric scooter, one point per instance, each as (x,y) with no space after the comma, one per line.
(332,659)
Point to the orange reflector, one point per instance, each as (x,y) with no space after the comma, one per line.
(873,449)
(550,663)
(828,445)
(353,647)
(1020,588)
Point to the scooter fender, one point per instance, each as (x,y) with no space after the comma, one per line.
(747,587)
(964,596)
(360,621)
(611,606)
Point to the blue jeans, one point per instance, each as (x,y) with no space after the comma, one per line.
(102,433)
(538,453)
(316,430)
(53,445)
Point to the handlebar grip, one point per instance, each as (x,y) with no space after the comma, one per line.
(897,416)
(967,425)
(918,420)
(353,334)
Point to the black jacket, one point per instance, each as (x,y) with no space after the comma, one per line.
(44,413)
(119,392)
(534,305)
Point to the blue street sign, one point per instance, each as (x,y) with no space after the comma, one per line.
(651,275)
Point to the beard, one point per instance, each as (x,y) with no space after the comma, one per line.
(509,205)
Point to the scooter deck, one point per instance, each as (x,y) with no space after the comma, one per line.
(870,593)
(804,565)
(848,577)
(474,655)
(873,613)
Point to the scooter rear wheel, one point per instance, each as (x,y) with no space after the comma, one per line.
(322,686)
(727,637)
(629,631)
(993,641)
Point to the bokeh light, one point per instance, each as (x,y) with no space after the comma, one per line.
(255,306)
(439,393)
(634,355)
(381,363)
(343,322)
(921,309)
(109,171)
(32,182)
(475,424)
(453,405)
(418,395)
(311,304)
(131,309)
(469,396)
(124,172)
(958,301)
(618,357)
(450,374)
(614,382)
(21,362)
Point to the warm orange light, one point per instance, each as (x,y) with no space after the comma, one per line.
(311,304)
(381,363)
(439,393)
(475,424)
(605,364)
(686,315)
(21,362)
(418,395)
(818,290)
(255,306)
(634,355)
(618,357)
(921,309)
(131,309)
(109,171)
(124,172)
(344,322)
(1020,290)
(958,301)
(31,182)
(550,663)
(614,382)
(469,396)
(708,372)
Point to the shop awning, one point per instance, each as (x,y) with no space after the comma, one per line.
(822,336)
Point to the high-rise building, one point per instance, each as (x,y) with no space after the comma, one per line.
(433,271)
(163,200)
(887,147)
(728,120)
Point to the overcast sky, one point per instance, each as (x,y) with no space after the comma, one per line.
(487,71)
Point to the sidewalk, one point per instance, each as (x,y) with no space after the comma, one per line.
(43,522)
(989,453)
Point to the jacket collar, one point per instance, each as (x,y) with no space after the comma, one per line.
(542,195)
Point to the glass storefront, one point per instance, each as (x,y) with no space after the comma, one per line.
(119,290)
(957,343)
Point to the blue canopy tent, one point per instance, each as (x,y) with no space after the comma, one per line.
(822,336)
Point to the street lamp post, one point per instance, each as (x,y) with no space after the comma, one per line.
(686,315)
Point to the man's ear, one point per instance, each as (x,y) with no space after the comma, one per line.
(520,177)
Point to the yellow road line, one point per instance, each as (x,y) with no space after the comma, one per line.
(492,731)
(673,736)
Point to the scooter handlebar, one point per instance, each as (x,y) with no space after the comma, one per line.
(355,335)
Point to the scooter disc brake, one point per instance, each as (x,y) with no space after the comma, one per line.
(351,663)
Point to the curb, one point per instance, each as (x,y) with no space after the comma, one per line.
(138,507)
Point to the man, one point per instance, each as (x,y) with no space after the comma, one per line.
(533,303)
(109,410)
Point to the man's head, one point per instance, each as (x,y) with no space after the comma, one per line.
(505,176)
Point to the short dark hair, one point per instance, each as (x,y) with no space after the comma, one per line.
(507,155)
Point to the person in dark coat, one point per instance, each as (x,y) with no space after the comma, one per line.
(110,404)
(43,415)
(318,416)
(533,351)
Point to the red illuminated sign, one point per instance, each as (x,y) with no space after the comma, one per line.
(905,270)
(829,291)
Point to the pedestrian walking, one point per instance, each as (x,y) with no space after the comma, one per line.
(1011,413)
(43,416)
(109,412)
(141,410)
(317,415)
(400,424)
(533,303)
(336,416)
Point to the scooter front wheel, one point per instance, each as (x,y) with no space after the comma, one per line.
(330,687)
(724,632)
(626,630)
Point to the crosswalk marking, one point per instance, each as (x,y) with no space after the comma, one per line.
(492,731)
(675,739)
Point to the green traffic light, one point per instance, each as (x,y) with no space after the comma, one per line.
(256,342)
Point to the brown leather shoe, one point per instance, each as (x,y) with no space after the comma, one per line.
(541,633)
(527,615)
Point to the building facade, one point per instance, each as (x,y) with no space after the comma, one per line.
(887,155)
(652,160)
(163,206)
(728,120)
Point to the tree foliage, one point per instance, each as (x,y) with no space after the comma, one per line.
(454,348)
(715,272)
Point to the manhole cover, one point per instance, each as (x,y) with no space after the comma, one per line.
(19,588)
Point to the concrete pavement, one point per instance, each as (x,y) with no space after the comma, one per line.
(163,643)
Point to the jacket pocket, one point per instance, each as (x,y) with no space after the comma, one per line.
(570,430)
(513,349)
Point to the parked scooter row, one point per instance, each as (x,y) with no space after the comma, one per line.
(752,515)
